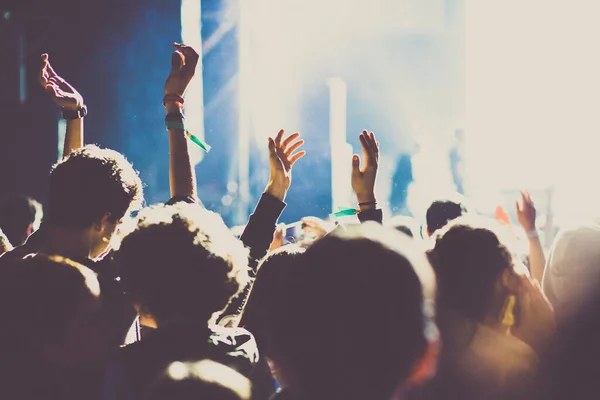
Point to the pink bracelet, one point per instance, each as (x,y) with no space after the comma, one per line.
(173,97)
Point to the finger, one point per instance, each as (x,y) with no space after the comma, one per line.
(355,164)
(366,149)
(290,139)
(517,206)
(272,152)
(293,147)
(52,90)
(373,145)
(43,76)
(64,85)
(278,138)
(177,60)
(191,57)
(529,198)
(49,68)
(296,157)
(364,140)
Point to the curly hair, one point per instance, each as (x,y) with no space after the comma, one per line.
(89,183)
(182,263)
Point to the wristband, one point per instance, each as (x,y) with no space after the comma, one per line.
(180,125)
(368,203)
(532,234)
(175,117)
(344,212)
(173,97)
(70,115)
(175,125)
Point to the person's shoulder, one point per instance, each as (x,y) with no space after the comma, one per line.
(15,255)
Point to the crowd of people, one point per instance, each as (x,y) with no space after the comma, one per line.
(96,303)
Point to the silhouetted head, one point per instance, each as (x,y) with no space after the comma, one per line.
(182,264)
(355,316)
(92,190)
(442,211)
(20,216)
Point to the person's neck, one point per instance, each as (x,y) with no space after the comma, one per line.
(65,242)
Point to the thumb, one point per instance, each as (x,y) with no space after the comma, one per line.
(176,60)
(355,164)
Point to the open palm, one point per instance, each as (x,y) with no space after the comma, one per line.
(61,92)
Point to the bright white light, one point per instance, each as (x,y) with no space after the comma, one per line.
(178,371)
(191,35)
(211,371)
(341,151)
(532,89)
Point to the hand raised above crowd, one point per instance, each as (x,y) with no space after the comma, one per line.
(61,92)
(183,68)
(526,212)
(363,179)
(283,154)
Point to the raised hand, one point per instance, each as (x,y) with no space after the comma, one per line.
(183,67)
(278,238)
(61,92)
(363,179)
(283,155)
(316,227)
(526,212)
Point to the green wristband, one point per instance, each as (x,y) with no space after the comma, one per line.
(344,213)
(180,125)
(175,125)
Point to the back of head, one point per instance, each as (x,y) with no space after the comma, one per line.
(39,297)
(20,216)
(404,224)
(355,318)
(442,211)
(181,263)
(205,379)
(261,304)
(90,183)
(468,259)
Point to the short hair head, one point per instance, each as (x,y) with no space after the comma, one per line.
(469,257)
(20,216)
(90,183)
(181,263)
(442,211)
(356,309)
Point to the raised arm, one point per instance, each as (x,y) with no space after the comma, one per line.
(283,154)
(70,101)
(363,179)
(182,176)
(526,214)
